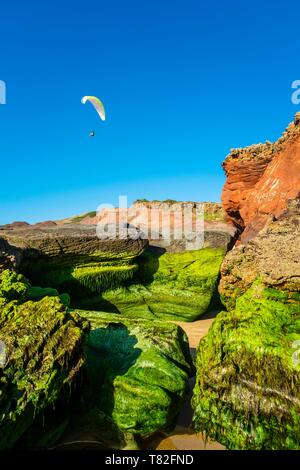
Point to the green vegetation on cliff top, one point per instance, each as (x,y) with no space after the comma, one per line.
(78,218)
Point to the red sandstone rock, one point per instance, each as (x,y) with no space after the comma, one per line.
(261,179)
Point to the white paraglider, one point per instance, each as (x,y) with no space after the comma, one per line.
(97,104)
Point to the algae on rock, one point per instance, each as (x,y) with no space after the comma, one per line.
(167,286)
(43,353)
(83,276)
(247,393)
(273,256)
(137,373)
(139,283)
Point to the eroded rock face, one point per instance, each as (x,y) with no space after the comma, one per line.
(52,241)
(70,258)
(261,180)
(272,256)
(247,394)
(10,256)
(114,275)
(155,219)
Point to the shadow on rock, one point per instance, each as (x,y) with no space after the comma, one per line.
(109,352)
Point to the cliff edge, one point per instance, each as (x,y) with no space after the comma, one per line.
(261,180)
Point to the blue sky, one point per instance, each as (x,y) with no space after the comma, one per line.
(182,81)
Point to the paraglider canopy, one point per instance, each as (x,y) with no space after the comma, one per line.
(98,105)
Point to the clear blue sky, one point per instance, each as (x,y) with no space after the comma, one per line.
(183,81)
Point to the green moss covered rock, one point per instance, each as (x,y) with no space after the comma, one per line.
(83,276)
(119,275)
(137,377)
(247,393)
(13,286)
(41,355)
(168,286)
(272,256)
(70,258)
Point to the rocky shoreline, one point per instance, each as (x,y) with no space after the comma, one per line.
(87,325)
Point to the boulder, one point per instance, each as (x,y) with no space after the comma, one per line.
(41,356)
(48,242)
(70,258)
(168,286)
(137,379)
(272,256)
(247,393)
(133,373)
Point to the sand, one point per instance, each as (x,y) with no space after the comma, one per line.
(183,437)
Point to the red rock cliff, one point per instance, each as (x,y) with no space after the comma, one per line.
(261,179)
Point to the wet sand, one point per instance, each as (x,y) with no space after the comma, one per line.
(183,437)
(197,329)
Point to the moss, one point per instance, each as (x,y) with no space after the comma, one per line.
(247,393)
(169,286)
(137,376)
(214,213)
(36,293)
(83,275)
(13,286)
(65,299)
(100,278)
(43,355)
(153,285)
